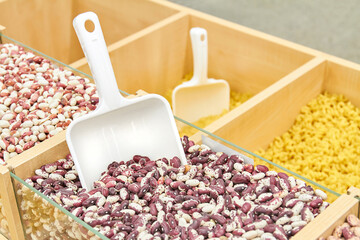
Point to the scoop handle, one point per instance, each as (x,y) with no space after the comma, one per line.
(94,47)
(200,54)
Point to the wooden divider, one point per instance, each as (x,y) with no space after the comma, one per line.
(255,123)
(2,30)
(24,166)
(2,237)
(47,25)
(42,25)
(238,27)
(27,169)
(151,58)
(156,59)
(273,111)
(8,202)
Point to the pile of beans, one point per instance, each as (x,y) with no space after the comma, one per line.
(37,99)
(348,230)
(215,196)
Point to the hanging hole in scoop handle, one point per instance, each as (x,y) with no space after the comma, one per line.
(95,50)
(89,26)
(200,53)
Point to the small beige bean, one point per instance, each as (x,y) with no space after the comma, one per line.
(250,234)
(8,116)
(298,224)
(40,114)
(41,136)
(192,182)
(207,208)
(4,124)
(27,124)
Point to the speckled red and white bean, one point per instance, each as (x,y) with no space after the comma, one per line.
(214,196)
(37,99)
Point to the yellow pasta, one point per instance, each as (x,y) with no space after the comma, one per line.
(235,100)
(323,144)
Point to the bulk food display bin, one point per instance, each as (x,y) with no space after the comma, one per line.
(274,111)
(281,75)
(11,227)
(41,217)
(250,63)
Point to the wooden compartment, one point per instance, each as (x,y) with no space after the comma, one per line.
(6,194)
(23,166)
(159,59)
(56,148)
(43,212)
(256,123)
(47,25)
(282,76)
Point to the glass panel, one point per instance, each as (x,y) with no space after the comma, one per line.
(332,195)
(4,229)
(42,218)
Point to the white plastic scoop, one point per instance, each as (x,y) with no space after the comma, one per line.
(200,96)
(119,128)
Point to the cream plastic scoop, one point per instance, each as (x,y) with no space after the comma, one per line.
(119,128)
(200,96)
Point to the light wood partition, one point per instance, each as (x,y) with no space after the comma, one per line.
(158,59)
(47,25)
(256,122)
(9,206)
(42,25)
(273,111)
(153,58)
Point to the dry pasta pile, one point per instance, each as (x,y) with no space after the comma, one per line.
(323,144)
(235,100)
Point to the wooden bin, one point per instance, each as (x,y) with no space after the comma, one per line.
(273,112)
(47,25)
(7,199)
(53,149)
(158,59)
(56,148)
(24,166)
(158,55)
(9,207)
